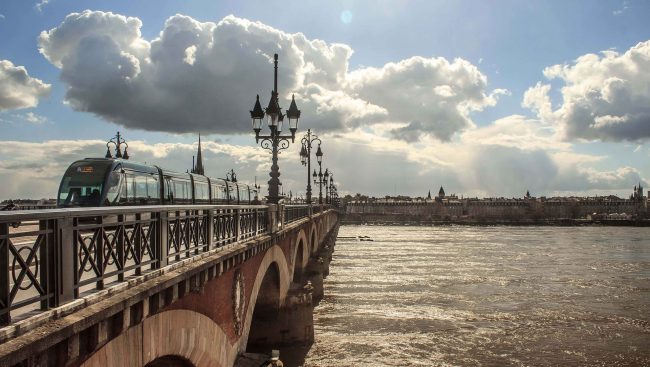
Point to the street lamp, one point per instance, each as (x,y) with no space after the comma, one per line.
(322,180)
(231,176)
(305,157)
(331,188)
(275,141)
(117,141)
(257,189)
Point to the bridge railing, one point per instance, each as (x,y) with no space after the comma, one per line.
(51,257)
(295,212)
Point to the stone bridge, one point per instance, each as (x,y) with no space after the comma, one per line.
(161,285)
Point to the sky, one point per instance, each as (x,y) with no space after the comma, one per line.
(483,98)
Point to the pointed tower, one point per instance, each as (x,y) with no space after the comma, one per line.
(429,196)
(198,168)
(441,193)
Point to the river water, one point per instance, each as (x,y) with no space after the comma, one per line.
(486,296)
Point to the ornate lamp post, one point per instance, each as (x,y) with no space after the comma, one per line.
(305,157)
(322,180)
(117,141)
(275,141)
(231,176)
(257,190)
(331,189)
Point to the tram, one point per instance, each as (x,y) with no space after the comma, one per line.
(93,182)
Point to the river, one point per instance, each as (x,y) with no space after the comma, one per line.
(485,296)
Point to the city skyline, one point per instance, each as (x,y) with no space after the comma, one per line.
(488,100)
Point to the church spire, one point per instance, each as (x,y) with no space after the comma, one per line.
(198,169)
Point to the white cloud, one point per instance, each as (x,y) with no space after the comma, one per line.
(433,96)
(503,159)
(203,76)
(39,6)
(18,89)
(2,16)
(518,132)
(603,97)
(33,118)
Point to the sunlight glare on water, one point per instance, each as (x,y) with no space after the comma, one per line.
(486,296)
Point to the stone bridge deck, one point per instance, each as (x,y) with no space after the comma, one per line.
(150,286)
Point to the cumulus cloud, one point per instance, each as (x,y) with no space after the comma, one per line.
(517,131)
(604,97)
(433,95)
(506,158)
(203,76)
(18,89)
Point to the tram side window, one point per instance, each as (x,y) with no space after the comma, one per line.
(201,193)
(153,190)
(169,190)
(243,194)
(219,194)
(127,195)
(182,192)
(140,183)
(113,187)
(232,194)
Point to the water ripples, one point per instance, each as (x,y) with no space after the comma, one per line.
(486,296)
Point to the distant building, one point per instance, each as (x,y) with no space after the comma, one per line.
(509,209)
(637,195)
(441,195)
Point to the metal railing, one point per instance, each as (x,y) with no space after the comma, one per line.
(295,212)
(50,257)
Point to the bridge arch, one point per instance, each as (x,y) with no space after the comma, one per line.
(313,238)
(170,361)
(168,336)
(300,256)
(321,231)
(273,267)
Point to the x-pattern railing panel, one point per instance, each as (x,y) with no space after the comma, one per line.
(138,239)
(25,258)
(223,222)
(186,234)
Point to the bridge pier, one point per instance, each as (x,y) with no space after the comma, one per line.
(291,325)
(318,267)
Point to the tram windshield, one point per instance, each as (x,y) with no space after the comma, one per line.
(82,184)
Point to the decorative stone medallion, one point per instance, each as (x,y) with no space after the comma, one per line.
(238,301)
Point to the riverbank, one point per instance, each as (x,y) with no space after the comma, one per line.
(407,220)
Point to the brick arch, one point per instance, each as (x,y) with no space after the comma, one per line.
(313,238)
(183,333)
(273,257)
(301,237)
(321,231)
